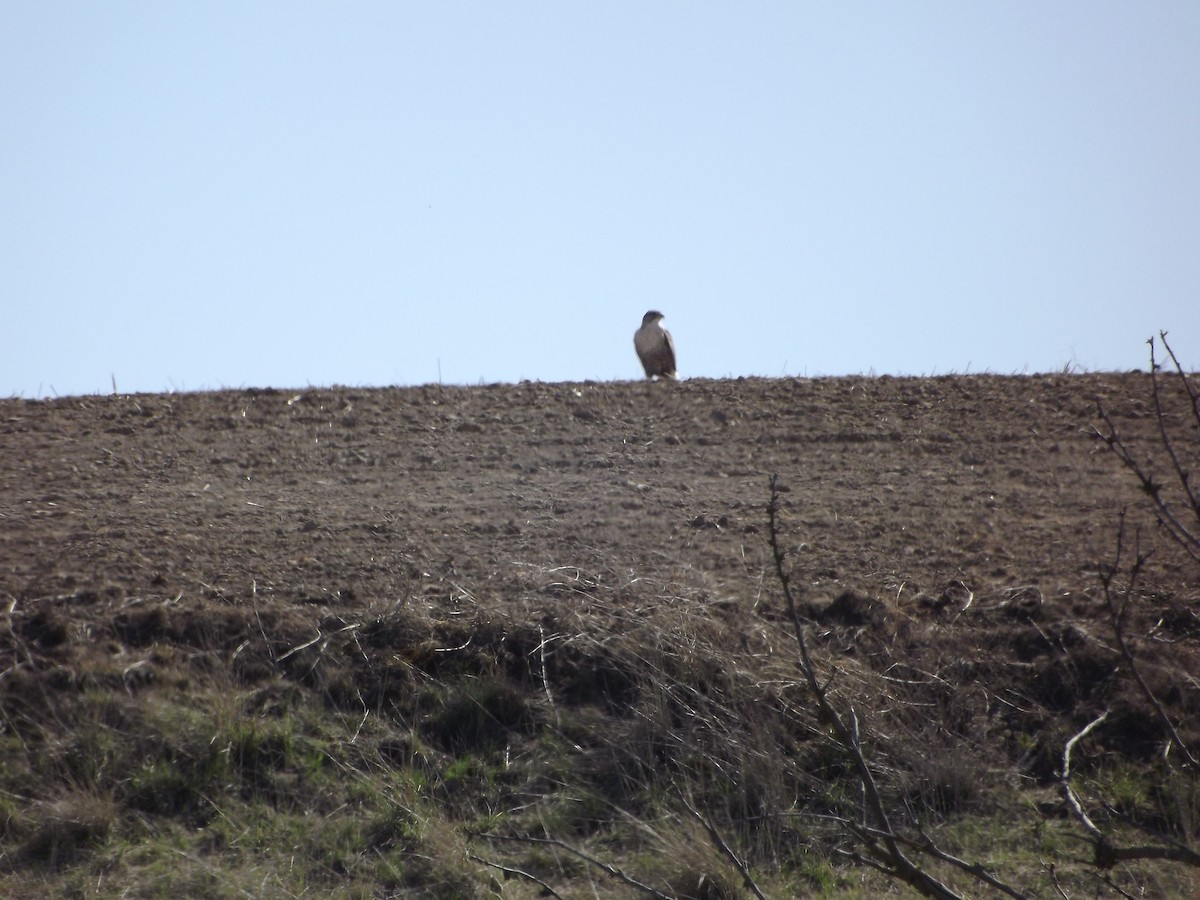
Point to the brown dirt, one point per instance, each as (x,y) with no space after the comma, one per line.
(331,497)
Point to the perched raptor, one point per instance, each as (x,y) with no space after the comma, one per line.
(654,347)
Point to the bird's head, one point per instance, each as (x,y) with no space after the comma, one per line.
(653,316)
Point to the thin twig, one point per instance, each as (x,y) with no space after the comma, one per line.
(975,870)
(541,647)
(1064,781)
(1187,385)
(1108,854)
(521,873)
(1176,529)
(1168,444)
(1058,888)
(891,857)
(1114,887)
(563,845)
(725,849)
(1172,852)
(1116,616)
(300,647)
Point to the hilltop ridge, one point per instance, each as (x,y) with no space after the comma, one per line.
(990,479)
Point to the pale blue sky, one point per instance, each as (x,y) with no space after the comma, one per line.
(210,195)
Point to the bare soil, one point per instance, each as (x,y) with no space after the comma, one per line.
(897,487)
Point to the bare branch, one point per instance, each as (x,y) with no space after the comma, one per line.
(875,834)
(1113,886)
(1178,531)
(726,850)
(1180,471)
(1064,780)
(1106,853)
(1108,856)
(547,891)
(1058,888)
(843,734)
(975,870)
(1116,616)
(1183,379)
(563,845)
(1187,536)
(926,845)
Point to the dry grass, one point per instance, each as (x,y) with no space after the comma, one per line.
(447,748)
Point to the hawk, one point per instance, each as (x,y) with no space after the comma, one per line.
(654,347)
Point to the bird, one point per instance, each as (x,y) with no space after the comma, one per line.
(654,347)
